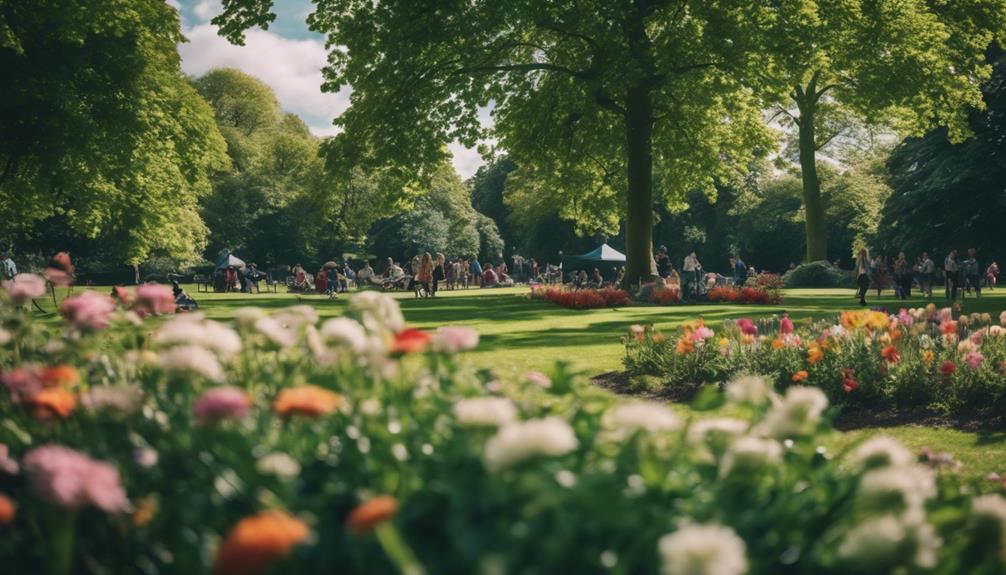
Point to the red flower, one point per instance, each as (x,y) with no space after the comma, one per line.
(890,353)
(411,340)
(948,368)
(849,383)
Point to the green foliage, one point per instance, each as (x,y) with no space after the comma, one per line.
(101,130)
(948,195)
(820,274)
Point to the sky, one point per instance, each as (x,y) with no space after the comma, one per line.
(288,57)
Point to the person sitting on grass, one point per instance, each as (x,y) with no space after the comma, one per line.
(489,277)
(366,272)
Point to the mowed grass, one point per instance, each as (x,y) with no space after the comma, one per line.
(518,334)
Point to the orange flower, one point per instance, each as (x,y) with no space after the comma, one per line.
(890,353)
(60,376)
(927,357)
(53,402)
(948,327)
(657,337)
(309,400)
(371,513)
(896,334)
(778,343)
(7,510)
(685,346)
(258,542)
(814,355)
(410,340)
(800,376)
(747,339)
(145,510)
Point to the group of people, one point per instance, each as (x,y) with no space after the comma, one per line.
(237,279)
(330,280)
(960,276)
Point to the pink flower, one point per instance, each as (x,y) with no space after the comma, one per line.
(975,359)
(702,333)
(785,325)
(87,311)
(452,339)
(977,338)
(154,299)
(538,378)
(60,269)
(7,464)
(905,317)
(22,383)
(747,326)
(121,399)
(946,314)
(24,288)
(73,480)
(219,404)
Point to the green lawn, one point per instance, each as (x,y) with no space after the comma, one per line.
(519,334)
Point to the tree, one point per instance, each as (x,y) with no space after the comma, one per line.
(911,64)
(101,131)
(589,97)
(951,195)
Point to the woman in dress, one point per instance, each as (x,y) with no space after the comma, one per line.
(424,277)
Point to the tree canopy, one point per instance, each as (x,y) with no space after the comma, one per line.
(101,131)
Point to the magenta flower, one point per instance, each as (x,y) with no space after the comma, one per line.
(702,333)
(87,311)
(452,339)
(24,288)
(73,480)
(785,325)
(154,299)
(747,326)
(975,359)
(220,404)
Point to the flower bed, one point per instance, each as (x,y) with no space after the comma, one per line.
(744,295)
(358,445)
(868,359)
(581,298)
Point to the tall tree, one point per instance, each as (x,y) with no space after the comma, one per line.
(590,96)
(100,128)
(911,64)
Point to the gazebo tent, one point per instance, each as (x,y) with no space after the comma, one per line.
(604,258)
(228,259)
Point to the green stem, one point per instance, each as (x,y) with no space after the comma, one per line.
(398,550)
(61,539)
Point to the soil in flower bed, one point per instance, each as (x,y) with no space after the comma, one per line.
(979,420)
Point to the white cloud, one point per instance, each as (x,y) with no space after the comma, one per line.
(174,4)
(292,68)
(466,160)
(207,9)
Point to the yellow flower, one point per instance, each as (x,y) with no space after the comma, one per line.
(927,357)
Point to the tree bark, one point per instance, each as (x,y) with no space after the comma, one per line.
(639,263)
(813,205)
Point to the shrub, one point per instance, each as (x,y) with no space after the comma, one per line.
(581,298)
(362,446)
(820,274)
(744,295)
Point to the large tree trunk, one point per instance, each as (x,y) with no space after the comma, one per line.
(639,264)
(813,206)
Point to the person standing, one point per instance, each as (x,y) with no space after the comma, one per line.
(9,267)
(902,277)
(862,268)
(950,272)
(476,268)
(690,275)
(992,275)
(439,274)
(534,269)
(740,272)
(972,272)
(663,262)
(424,277)
(926,270)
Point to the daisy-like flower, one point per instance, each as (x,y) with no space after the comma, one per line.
(220,404)
(884,543)
(797,414)
(306,400)
(520,441)
(347,333)
(72,480)
(191,359)
(702,550)
(484,412)
(897,489)
(752,389)
(881,451)
(454,339)
(646,416)
(377,312)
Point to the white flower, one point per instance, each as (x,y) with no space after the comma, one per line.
(704,429)
(798,413)
(902,488)
(279,464)
(296,317)
(519,441)
(145,457)
(4,336)
(750,454)
(377,311)
(647,416)
(888,541)
(276,332)
(192,359)
(484,412)
(702,550)
(454,339)
(996,331)
(192,331)
(246,317)
(347,333)
(750,389)
(881,451)
(990,510)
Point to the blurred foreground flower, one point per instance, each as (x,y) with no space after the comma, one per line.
(73,480)
(307,400)
(703,550)
(258,542)
(517,442)
(7,511)
(87,311)
(484,411)
(24,288)
(154,299)
(454,339)
(411,340)
(371,513)
(219,404)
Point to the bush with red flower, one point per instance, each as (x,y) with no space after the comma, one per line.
(586,298)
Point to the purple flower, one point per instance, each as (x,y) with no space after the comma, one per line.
(73,480)
(219,404)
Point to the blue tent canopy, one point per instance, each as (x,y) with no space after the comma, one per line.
(604,257)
